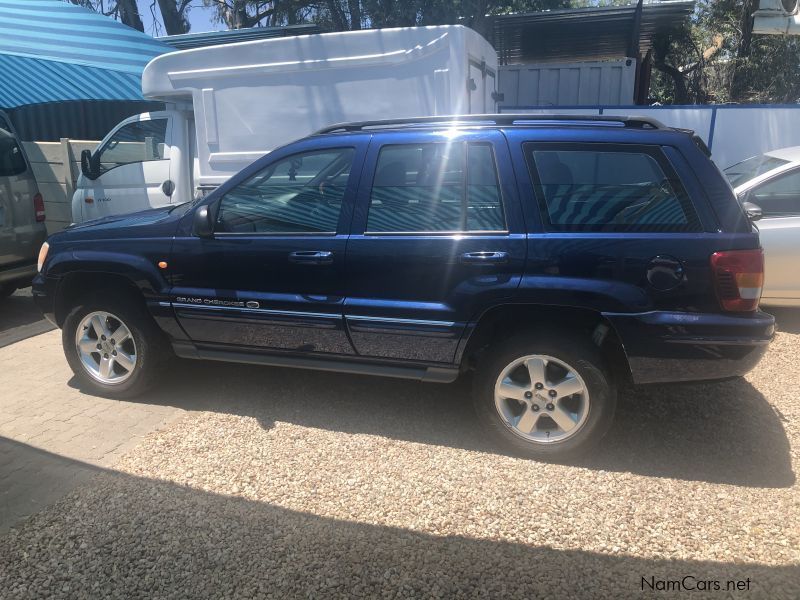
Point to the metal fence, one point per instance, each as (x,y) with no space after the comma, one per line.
(733,132)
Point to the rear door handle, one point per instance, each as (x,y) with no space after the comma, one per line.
(311,257)
(484,258)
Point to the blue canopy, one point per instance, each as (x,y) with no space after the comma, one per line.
(53,51)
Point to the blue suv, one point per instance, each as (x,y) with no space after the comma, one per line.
(557,257)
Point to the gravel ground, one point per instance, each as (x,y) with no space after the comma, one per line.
(284,483)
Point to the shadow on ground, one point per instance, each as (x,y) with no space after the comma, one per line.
(135,537)
(786,319)
(20,318)
(31,479)
(715,432)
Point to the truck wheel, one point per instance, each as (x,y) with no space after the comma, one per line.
(545,395)
(113,347)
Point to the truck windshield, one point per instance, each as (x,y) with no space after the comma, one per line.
(12,161)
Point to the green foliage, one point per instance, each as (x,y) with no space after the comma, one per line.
(716,58)
(339,15)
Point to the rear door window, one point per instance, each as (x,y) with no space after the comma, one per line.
(450,187)
(624,188)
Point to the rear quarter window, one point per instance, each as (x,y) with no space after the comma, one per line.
(608,188)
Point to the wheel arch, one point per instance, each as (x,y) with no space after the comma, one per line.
(76,285)
(500,322)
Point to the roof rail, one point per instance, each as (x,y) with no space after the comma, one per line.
(502,119)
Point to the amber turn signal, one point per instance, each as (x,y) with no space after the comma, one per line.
(162,264)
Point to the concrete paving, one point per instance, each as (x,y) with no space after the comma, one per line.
(52,435)
(20,318)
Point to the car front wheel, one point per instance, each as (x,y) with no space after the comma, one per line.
(113,347)
(545,395)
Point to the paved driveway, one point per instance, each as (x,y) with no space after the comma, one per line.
(53,436)
(20,318)
(259,482)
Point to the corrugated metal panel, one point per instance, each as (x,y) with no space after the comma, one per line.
(592,33)
(215,38)
(52,50)
(573,84)
(79,120)
(62,31)
(33,81)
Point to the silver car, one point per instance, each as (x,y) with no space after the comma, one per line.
(770,185)
(22,228)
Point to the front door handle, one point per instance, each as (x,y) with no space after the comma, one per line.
(311,257)
(487,257)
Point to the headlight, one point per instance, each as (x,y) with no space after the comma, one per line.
(42,256)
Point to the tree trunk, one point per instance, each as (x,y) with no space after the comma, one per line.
(337,16)
(354,6)
(738,83)
(748,8)
(175,22)
(129,14)
(681,93)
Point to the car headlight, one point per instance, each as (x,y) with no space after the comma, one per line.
(42,256)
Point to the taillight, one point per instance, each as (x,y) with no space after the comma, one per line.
(38,207)
(738,278)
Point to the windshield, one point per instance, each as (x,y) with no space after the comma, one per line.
(752,167)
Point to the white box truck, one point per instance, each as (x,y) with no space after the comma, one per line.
(229,105)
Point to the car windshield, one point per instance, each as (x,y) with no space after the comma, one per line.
(752,167)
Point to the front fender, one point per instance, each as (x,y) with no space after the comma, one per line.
(141,271)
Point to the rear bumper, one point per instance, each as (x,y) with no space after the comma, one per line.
(44,296)
(666,347)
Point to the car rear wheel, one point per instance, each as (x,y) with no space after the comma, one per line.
(545,395)
(113,347)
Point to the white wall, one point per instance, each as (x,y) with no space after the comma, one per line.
(733,132)
(56,166)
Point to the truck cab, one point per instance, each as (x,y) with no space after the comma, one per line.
(145,162)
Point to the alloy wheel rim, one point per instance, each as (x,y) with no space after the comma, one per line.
(106,348)
(541,399)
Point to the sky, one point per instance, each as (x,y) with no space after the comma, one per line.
(199,18)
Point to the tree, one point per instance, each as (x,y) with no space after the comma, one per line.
(173,12)
(174,15)
(237,14)
(716,58)
(126,11)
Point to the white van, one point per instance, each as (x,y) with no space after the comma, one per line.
(229,105)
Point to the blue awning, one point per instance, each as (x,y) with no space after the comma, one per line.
(52,50)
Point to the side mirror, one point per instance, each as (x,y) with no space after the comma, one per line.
(202,226)
(752,210)
(89,166)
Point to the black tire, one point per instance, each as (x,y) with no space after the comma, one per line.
(573,349)
(152,349)
(7,289)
